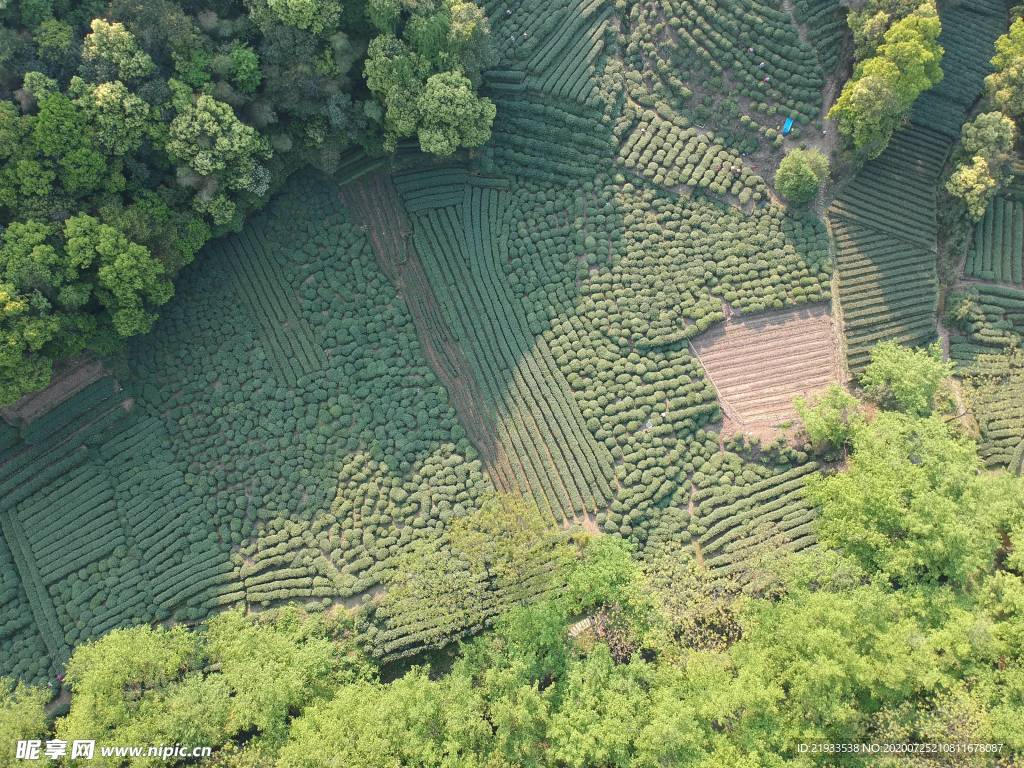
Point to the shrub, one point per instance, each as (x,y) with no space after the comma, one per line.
(801,173)
(906,379)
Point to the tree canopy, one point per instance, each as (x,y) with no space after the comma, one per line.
(138,130)
(984,160)
(877,98)
(801,174)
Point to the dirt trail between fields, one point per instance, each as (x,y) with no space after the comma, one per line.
(375,205)
(71,377)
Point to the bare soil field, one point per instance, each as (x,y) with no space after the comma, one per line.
(760,364)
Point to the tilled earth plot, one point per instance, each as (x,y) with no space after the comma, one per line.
(760,364)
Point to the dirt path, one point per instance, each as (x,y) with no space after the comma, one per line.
(375,205)
(827,139)
(71,377)
(698,553)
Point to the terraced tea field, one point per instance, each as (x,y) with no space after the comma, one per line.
(592,311)
(997,251)
(987,329)
(883,221)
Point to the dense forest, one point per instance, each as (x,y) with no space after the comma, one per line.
(541,383)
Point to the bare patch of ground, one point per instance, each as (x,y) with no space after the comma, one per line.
(375,205)
(759,364)
(71,377)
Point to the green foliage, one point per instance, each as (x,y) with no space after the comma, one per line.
(314,16)
(831,419)
(974,183)
(904,378)
(905,625)
(1005,86)
(801,174)
(984,165)
(500,555)
(453,116)
(241,675)
(275,668)
(440,107)
(139,681)
(222,152)
(883,88)
(413,721)
(604,575)
(871,19)
(159,120)
(22,714)
(912,505)
(114,52)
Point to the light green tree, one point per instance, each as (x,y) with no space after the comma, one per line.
(973,183)
(912,505)
(830,419)
(986,149)
(1005,86)
(141,684)
(115,53)
(210,139)
(129,281)
(117,118)
(275,668)
(452,115)
(905,378)
(26,330)
(22,715)
(313,16)
(879,95)
(801,174)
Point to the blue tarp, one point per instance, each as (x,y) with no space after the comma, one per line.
(787,126)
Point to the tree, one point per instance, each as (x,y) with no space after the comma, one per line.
(1005,86)
(118,119)
(222,152)
(992,135)
(986,149)
(54,41)
(869,19)
(22,714)
(602,713)
(314,16)
(114,53)
(868,110)
(504,550)
(974,184)
(157,118)
(831,419)
(395,74)
(801,173)
(883,88)
(452,115)
(58,126)
(275,668)
(26,331)
(904,378)
(368,725)
(128,279)
(142,683)
(912,505)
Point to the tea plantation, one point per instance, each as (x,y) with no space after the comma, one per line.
(382,350)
